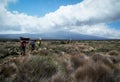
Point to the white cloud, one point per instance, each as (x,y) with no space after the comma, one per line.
(101,30)
(88,17)
(4,3)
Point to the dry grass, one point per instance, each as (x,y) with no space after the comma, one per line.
(36,68)
(58,78)
(85,61)
(93,72)
(79,60)
(8,72)
(113,53)
(102,58)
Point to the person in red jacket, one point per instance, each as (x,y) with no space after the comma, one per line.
(23,46)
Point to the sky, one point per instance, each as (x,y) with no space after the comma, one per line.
(90,17)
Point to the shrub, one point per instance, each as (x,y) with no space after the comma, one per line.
(8,72)
(115,56)
(36,68)
(102,58)
(64,63)
(95,72)
(113,53)
(58,78)
(79,60)
(42,52)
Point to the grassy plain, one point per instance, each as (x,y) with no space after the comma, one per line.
(61,61)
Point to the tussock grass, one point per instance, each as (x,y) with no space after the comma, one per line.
(84,61)
(113,53)
(58,78)
(93,72)
(102,58)
(115,56)
(8,72)
(79,60)
(35,68)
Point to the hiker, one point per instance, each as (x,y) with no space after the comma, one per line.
(23,46)
(32,44)
(39,42)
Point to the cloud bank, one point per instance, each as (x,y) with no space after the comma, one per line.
(88,17)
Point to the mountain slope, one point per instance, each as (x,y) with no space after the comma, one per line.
(52,35)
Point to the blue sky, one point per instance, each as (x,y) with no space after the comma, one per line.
(39,7)
(89,17)
(114,24)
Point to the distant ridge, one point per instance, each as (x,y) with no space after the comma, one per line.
(53,35)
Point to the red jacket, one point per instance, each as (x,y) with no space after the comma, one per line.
(23,43)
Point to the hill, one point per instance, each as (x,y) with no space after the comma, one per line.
(53,35)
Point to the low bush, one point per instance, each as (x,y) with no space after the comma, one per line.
(93,73)
(35,68)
